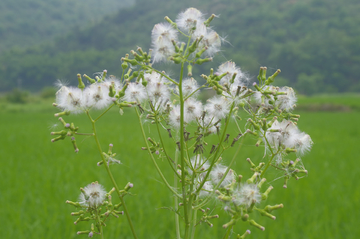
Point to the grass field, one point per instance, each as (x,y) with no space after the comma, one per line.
(38,176)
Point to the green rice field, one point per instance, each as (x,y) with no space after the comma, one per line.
(38,176)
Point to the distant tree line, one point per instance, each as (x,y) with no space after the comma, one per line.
(314,42)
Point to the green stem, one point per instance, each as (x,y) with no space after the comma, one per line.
(100,225)
(226,172)
(195,91)
(86,134)
(162,143)
(182,156)
(267,165)
(152,157)
(193,223)
(272,157)
(228,231)
(111,177)
(176,201)
(103,113)
(216,154)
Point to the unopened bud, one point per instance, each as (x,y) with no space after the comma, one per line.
(81,83)
(253,223)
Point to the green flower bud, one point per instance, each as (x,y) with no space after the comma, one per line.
(81,84)
(271,78)
(207,22)
(170,21)
(189,68)
(266,214)
(243,235)
(176,60)
(265,195)
(103,75)
(252,179)
(92,81)
(198,54)
(269,208)
(253,223)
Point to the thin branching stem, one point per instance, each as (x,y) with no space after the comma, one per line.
(152,157)
(111,177)
(104,112)
(216,153)
(162,143)
(176,200)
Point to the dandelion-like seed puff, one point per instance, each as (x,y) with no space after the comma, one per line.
(92,195)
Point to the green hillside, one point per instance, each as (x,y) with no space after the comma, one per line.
(29,22)
(313,42)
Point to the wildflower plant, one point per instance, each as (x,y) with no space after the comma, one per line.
(191,126)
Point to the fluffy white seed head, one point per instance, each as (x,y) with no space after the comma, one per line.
(286,102)
(230,68)
(174,117)
(189,19)
(165,31)
(303,143)
(153,77)
(93,195)
(97,96)
(247,194)
(192,110)
(217,107)
(206,189)
(212,41)
(161,36)
(288,135)
(189,85)
(158,92)
(135,92)
(70,99)
(218,172)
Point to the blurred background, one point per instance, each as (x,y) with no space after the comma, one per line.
(315,43)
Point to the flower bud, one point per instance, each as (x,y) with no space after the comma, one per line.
(170,21)
(124,65)
(207,22)
(232,222)
(262,181)
(176,60)
(253,223)
(81,83)
(66,112)
(103,76)
(58,138)
(252,179)
(92,81)
(266,193)
(132,62)
(271,78)
(243,235)
(128,186)
(266,214)
(198,54)
(201,61)
(189,68)
(269,208)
